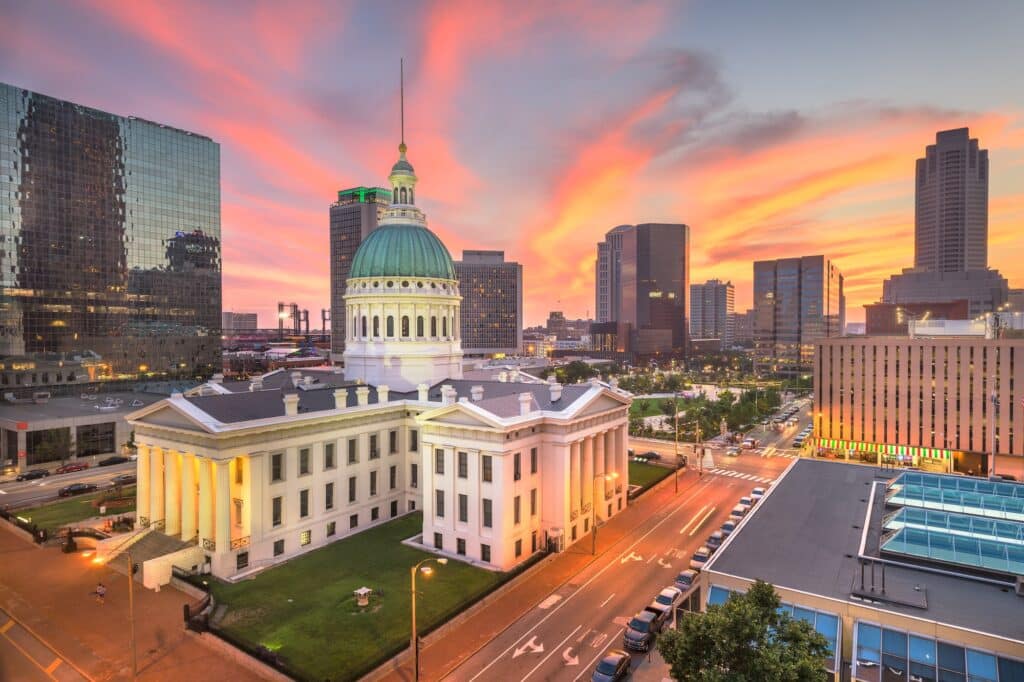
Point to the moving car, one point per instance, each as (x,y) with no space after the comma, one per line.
(732,452)
(123,479)
(71,466)
(612,667)
(700,557)
(669,596)
(641,630)
(651,454)
(77,489)
(686,579)
(32,475)
(110,461)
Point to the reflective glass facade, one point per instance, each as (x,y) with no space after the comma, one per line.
(110,247)
(492,303)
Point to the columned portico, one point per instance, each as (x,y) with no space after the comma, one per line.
(172,492)
(222,528)
(205,472)
(142,487)
(574,476)
(599,471)
(587,482)
(188,496)
(156,487)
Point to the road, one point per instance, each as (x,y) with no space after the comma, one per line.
(27,493)
(563,636)
(26,657)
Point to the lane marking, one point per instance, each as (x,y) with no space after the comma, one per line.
(696,492)
(605,602)
(6,626)
(594,659)
(706,516)
(53,666)
(3,492)
(695,517)
(550,601)
(555,648)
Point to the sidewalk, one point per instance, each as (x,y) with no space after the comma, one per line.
(438,657)
(50,593)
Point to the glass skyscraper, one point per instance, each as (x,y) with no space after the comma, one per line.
(491,316)
(110,246)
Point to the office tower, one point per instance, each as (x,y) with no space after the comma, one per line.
(112,263)
(711,311)
(492,303)
(353,216)
(797,301)
(233,322)
(643,280)
(743,328)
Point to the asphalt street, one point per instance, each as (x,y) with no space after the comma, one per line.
(27,493)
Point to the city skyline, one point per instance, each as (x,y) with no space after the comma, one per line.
(692,118)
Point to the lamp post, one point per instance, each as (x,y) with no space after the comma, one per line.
(593,508)
(414,639)
(675,415)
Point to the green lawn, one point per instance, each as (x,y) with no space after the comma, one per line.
(306,612)
(55,515)
(646,474)
(649,407)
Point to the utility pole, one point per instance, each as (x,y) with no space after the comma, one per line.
(675,415)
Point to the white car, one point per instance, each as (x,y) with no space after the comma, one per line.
(757,493)
(669,596)
(699,558)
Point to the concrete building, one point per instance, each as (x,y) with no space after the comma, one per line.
(608,267)
(712,314)
(899,589)
(797,301)
(232,323)
(891,319)
(353,216)
(247,474)
(941,403)
(492,303)
(984,290)
(1015,300)
(743,328)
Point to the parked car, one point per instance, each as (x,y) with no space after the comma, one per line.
(71,466)
(700,557)
(110,461)
(612,667)
(32,474)
(738,512)
(686,579)
(747,500)
(669,596)
(1002,477)
(757,493)
(715,540)
(123,479)
(77,489)
(728,527)
(641,631)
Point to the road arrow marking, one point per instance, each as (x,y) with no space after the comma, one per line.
(599,640)
(663,563)
(632,556)
(530,646)
(569,658)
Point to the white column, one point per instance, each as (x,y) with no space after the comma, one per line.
(610,463)
(574,476)
(222,515)
(599,469)
(254,498)
(620,454)
(156,486)
(172,492)
(587,470)
(142,474)
(188,496)
(205,499)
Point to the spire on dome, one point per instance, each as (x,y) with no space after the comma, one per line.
(403,177)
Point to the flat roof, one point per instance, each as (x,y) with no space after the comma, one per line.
(113,405)
(806,533)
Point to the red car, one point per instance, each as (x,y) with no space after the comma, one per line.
(71,466)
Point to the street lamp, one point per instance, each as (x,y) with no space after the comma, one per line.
(414,639)
(593,508)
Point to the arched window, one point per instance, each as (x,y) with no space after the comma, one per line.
(433,325)
(364,326)
(354,329)
(419,326)
(405,326)
(391,326)
(376,326)
(410,196)
(404,195)
(444,327)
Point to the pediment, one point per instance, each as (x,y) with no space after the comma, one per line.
(458,415)
(169,416)
(602,403)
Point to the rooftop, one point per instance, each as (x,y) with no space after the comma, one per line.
(806,535)
(68,407)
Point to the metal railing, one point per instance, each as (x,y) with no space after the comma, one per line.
(143,522)
(209,545)
(238,543)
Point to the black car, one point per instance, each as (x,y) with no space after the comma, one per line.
(77,489)
(33,474)
(110,461)
(651,454)
(123,479)
(612,667)
(640,632)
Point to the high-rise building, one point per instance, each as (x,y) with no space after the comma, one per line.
(113,256)
(353,216)
(712,314)
(492,303)
(797,301)
(643,280)
(233,322)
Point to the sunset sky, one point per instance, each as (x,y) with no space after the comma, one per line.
(772,128)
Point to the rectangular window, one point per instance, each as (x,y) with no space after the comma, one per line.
(375,513)
(351,488)
(394,508)
(485,553)
(439,503)
(276,505)
(533,460)
(464,508)
(533,542)
(241,560)
(438,541)
(519,548)
(277,467)
(303,461)
(373,483)
(353,450)
(328,455)
(238,471)
(303,504)
(517,468)
(374,452)
(463,465)
(353,521)
(414,475)
(414,440)
(278,547)
(439,462)
(460,546)
(533,502)
(329,496)
(305,538)
(515,509)
(487,510)
(392,441)
(486,468)
(393,477)
(331,529)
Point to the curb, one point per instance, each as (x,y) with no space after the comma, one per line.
(225,649)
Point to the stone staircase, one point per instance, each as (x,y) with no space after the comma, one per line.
(155,544)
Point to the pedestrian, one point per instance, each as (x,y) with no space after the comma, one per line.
(101,592)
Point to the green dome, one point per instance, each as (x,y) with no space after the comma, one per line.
(402,250)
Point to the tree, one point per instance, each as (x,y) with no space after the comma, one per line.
(743,640)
